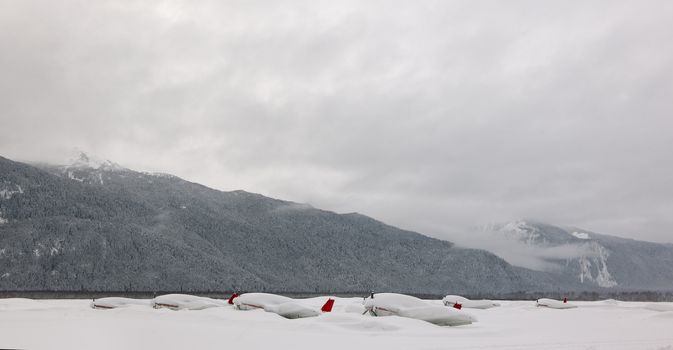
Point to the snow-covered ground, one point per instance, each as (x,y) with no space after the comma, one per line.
(73,324)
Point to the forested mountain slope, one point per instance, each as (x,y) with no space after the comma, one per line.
(103,227)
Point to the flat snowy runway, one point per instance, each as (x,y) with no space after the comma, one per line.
(72,324)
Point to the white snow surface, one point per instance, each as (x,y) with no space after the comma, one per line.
(451,300)
(663,307)
(73,324)
(115,302)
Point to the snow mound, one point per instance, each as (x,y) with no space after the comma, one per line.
(554,304)
(116,302)
(185,302)
(355,308)
(451,300)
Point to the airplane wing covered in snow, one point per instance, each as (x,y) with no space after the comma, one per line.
(185,302)
(458,302)
(392,304)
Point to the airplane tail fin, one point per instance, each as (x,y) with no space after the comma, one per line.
(457,306)
(565,300)
(231,299)
(328,305)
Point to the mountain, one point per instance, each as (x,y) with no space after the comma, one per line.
(595,259)
(95,225)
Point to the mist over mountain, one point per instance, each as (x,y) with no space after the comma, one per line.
(95,225)
(588,257)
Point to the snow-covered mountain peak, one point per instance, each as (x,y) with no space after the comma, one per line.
(83,160)
(519,230)
(535,233)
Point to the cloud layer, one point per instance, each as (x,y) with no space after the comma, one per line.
(430,115)
(539,257)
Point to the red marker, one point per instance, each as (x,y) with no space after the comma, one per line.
(231,299)
(328,305)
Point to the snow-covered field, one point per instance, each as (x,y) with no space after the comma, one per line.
(73,324)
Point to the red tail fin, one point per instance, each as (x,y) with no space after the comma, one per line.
(328,305)
(231,299)
(458,306)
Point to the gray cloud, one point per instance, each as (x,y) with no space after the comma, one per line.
(429,115)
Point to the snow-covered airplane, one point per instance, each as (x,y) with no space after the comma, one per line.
(392,304)
(185,302)
(555,304)
(278,304)
(458,302)
(115,302)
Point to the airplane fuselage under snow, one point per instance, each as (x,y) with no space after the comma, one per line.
(278,304)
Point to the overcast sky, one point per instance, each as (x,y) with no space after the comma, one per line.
(430,115)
